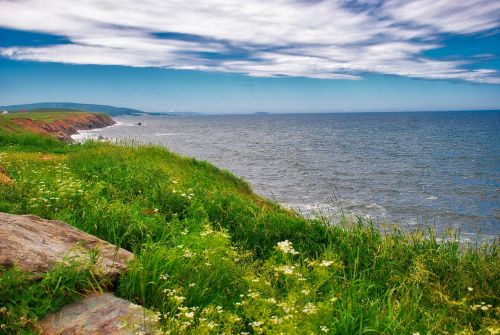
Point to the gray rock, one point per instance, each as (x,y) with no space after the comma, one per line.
(35,245)
(100,314)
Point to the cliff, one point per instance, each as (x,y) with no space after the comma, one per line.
(61,124)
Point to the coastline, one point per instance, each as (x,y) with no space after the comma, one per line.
(83,135)
(60,125)
(210,251)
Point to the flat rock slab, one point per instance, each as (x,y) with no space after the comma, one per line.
(100,314)
(35,245)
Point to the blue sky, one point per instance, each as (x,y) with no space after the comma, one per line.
(228,56)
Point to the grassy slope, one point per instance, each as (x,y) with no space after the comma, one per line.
(45,115)
(207,255)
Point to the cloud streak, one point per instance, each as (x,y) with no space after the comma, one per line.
(317,39)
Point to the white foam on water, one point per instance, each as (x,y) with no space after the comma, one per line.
(432,197)
(91,134)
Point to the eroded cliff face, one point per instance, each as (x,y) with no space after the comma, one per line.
(67,126)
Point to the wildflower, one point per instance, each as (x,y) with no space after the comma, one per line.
(286,247)
(415,333)
(188,253)
(326,263)
(155,317)
(309,309)
(179,299)
(271,300)
(164,276)
(256,324)
(253,295)
(274,319)
(212,325)
(324,329)
(305,292)
(189,315)
(192,285)
(470,289)
(286,269)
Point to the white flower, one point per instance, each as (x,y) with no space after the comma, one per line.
(324,329)
(179,299)
(256,324)
(470,289)
(274,319)
(212,325)
(326,263)
(286,247)
(285,269)
(309,309)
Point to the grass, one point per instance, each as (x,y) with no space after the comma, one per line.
(43,114)
(214,258)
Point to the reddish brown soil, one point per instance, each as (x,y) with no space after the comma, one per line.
(66,126)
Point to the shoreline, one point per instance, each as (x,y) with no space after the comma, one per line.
(222,257)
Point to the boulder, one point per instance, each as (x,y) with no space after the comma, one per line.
(100,314)
(4,177)
(35,245)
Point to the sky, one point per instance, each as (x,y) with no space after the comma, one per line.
(233,56)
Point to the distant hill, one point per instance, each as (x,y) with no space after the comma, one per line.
(110,110)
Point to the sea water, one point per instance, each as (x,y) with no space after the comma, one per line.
(437,168)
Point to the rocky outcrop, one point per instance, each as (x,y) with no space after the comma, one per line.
(4,177)
(35,245)
(100,314)
(67,126)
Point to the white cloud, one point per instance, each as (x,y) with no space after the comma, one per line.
(316,39)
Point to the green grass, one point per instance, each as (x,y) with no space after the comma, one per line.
(208,259)
(43,114)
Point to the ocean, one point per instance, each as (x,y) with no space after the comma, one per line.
(432,168)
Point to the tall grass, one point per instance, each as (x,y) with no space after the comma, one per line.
(212,257)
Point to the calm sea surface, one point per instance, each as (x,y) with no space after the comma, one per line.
(405,168)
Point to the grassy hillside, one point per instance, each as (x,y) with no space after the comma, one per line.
(110,110)
(214,258)
(57,123)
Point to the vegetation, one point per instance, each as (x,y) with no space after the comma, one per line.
(46,115)
(214,258)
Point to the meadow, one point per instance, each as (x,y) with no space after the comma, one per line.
(212,257)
